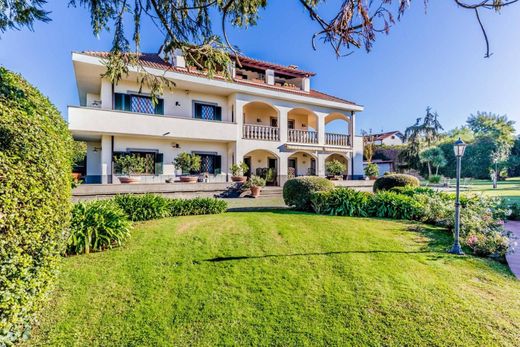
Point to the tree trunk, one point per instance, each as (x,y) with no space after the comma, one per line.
(429,169)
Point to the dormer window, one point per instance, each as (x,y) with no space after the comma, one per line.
(137,103)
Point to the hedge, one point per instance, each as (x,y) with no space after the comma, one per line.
(35,180)
(388,182)
(297,192)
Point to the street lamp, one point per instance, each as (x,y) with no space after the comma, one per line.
(458,147)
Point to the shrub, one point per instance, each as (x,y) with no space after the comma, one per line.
(387,204)
(297,191)
(435,179)
(197,206)
(412,191)
(187,162)
(371,170)
(515,211)
(239,169)
(342,202)
(493,244)
(399,180)
(97,225)
(335,167)
(143,207)
(255,181)
(35,176)
(130,164)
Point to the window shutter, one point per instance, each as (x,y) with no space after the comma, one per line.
(218,113)
(159,163)
(159,107)
(118,101)
(127,103)
(198,111)
(218,164)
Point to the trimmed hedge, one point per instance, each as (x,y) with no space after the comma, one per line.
(35,181)
(197,206)
(396,180)
(297,192)
(97,225)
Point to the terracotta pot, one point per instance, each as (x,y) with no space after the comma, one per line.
(129,179)
(373,178)
(255,191)
(189,179)
(240,179)
(76,176)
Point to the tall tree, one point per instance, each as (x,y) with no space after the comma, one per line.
(433,156)
(187,25)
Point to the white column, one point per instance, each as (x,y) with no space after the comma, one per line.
(282,124)
(321,164)
(352,128)
(106,94)
(106,159)
(239,118)
(321,129)
(283,167)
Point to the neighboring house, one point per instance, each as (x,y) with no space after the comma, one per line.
(391,138)
(267,116)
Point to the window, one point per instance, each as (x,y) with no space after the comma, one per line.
(207,111)
(210,163)
(137,103)
(290,123)
(152,159)
(274,122)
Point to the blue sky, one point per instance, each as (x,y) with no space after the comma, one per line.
(434,59)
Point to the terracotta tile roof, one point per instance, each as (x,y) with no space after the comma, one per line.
(154,61)
(292,70)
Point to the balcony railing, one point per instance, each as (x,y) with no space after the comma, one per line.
(337,140)
(302,136)
(261,132)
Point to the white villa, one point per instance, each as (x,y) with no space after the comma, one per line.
(267,116)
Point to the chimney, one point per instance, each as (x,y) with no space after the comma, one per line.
(269,77)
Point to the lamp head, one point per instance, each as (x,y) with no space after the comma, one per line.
(458,147)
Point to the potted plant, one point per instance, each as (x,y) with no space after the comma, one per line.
(237,171)
(187,163)
(130,165)
(79,153)
(372,171)
(335,168)
(255,184)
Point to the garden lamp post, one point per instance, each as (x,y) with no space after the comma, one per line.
(459,146)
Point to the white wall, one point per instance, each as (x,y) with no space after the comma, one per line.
(94,158)
(303,163)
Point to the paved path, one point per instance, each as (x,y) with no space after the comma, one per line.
(513,259)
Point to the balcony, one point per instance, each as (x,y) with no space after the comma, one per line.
(261,132)
(302,136)
(102,121)
(339,140)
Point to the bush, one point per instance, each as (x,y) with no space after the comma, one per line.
(515,211)
(144,207)
(399,180)
(335,167)
(197,206)
(371,170)
(493,244)
(412,191)
(342,202)
(97,225)
(387,204)
(435,179)
(35,175)
(297,191)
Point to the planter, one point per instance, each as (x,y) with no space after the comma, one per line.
(255,191)
(240,179)
(373,178)
(76,176)
(189,179)
(129,180)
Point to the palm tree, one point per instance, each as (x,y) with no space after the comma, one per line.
(433,156)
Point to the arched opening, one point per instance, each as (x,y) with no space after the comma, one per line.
(301,164)
(343,159)
(302,126)
(263,163)
(337,130)
(261,121)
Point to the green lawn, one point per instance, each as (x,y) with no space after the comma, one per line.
(281,278)
(509,189)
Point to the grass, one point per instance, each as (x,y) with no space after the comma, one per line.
(281,278)
(509,189)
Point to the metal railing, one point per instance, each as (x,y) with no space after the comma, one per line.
(302,136)
(337,139)
(260,132)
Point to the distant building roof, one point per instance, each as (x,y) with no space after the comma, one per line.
(382,136)
(153,60)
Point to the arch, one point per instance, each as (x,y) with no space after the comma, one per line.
(260,113)
(342,158)
(337,123)
(302,163)
(260,162)
(304,119)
